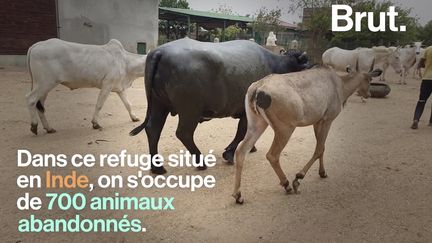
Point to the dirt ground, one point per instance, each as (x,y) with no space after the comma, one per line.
(379,186)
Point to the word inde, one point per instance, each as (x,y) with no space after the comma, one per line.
(358,20)
(68,181)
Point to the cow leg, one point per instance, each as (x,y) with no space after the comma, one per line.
(103,95)
(228,155)
(42,117)
(188,121)
(254,132)
(322,129)
(403,76)
(127,104)
(32,99)
(34,102)
(318,132)
(382,77)
(154,126)
(430,119)
(273,156)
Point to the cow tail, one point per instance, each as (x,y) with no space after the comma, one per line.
(39,105)
(29,68)
(150,72)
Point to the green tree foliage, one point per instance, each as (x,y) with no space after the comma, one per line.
(225,9)
(320,22)
(318,25)
(425,34)
(266,20)
(173,29)
(174,4)
(232,32)
(367,38)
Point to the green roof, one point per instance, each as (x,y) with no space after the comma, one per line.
(205,14)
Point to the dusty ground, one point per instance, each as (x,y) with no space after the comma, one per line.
(379,186)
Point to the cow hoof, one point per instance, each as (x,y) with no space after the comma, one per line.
(33,129)
(287,187)
(238,198)
(96,126)
(414,125)
(228,155)
(51,130)
(158,170)
(296,185)
(323,174)
(300,175)
(135,119)
(253,150)
(204,167)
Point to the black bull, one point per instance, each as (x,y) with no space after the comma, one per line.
(200,81)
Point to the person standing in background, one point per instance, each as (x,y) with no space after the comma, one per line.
(425,87)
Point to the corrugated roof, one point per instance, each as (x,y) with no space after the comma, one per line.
(208,14)
(287,25)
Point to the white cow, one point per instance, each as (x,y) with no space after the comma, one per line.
(417,72)
(385,57)
(408,56)
(338,58)
(294,45)
(382,56)
(271,39)
(108,67)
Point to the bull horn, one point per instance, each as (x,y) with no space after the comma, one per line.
(357,66)
(372,66)
(302,55)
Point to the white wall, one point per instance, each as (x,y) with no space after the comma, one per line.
(13,60)
(98,21)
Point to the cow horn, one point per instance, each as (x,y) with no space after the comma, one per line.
(357,66)
(372,66)
(303,55)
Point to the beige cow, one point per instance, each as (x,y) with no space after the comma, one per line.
(286,101)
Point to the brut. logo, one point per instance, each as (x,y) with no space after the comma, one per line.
(381,27)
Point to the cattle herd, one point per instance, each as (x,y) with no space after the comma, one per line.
(199,81)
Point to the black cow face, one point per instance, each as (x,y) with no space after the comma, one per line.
(298,60)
